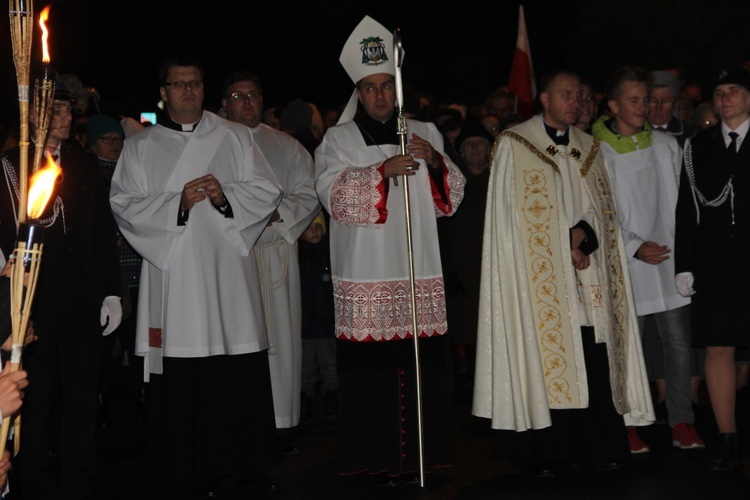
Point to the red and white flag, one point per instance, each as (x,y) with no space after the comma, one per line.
(521,81)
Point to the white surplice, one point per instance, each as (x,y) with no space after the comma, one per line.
(278,265)
(533,302)
(646,183)
(369,249)
(199,293)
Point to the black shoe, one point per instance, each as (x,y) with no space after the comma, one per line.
(286,445)
(725,454)
(207,490)
(259,483)
(606,465)
(411,478)
(542,468)
(385,481)
(290,450)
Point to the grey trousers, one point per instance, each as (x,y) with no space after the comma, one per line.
(673,328)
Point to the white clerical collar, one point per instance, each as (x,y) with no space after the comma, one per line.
(188,127)
(558,132)
(181,127)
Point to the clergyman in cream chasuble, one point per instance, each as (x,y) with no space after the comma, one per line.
(534,302)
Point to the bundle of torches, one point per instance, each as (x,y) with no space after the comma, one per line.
(27,255)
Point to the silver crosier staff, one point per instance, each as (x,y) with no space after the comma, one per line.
(398,59)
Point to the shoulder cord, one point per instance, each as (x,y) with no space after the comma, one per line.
(727,192)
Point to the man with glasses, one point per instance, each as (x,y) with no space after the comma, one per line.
(276,250)
(645,169)
(192,195)
(77,300)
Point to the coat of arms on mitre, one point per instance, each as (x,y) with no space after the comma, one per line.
(373,51)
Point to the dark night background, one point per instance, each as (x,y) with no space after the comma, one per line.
(456,51)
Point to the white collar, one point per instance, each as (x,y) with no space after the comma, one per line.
(741,130)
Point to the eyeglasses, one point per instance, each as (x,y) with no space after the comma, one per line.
(112,140)
(193,84)
(249,96)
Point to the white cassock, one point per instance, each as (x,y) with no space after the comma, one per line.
(646,183)
(199,293)
(532,300)
(278,265)
(369,250)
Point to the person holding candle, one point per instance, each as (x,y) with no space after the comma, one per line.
(78,293)
(11,384)
(192,195)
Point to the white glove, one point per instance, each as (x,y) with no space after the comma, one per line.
(111,314)
(684,282)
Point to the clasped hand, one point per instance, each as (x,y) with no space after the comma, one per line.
(199,189)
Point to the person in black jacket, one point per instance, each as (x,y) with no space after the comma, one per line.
(711,241)
(78,295)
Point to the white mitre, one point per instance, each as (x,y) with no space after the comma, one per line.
(368,51)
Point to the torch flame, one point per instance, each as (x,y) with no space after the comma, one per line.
(43,16)
(42,185)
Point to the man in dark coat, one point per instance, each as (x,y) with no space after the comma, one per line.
(77,295)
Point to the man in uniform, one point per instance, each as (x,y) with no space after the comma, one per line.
(276,250)
(357,165)
(558,347)
(192,195)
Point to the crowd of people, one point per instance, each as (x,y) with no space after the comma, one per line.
(576,273)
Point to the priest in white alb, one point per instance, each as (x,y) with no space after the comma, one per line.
(276,250)
(192,195)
